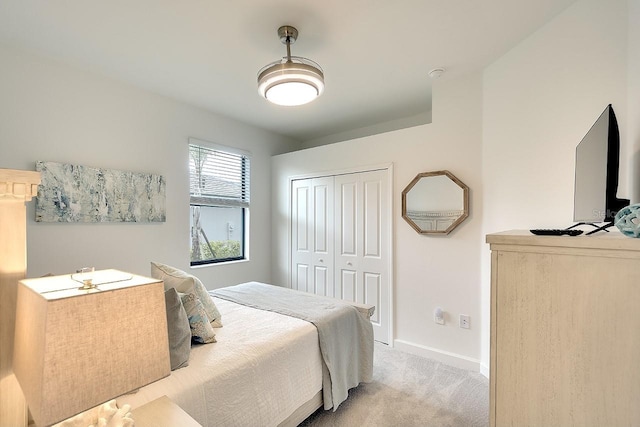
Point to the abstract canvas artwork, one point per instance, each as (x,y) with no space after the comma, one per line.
(72,193)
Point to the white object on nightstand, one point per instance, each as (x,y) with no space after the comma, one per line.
(162,412)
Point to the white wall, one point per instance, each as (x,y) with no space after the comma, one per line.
(382,127)
(53,112)
(540,99)
(429,271)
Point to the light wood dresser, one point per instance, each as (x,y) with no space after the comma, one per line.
(565,330)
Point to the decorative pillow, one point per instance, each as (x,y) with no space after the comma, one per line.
(173,278)
(179,330)
(209,306)
(201,329)
(187,283)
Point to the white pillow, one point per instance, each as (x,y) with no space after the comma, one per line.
(186,283)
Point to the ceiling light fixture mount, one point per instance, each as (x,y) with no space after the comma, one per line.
(292,80)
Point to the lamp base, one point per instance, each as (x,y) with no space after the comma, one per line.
(87,285)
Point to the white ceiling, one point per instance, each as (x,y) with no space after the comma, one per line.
(376,54)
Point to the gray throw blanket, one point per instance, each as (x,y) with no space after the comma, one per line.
(346,337)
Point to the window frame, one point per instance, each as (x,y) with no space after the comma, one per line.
(243,204)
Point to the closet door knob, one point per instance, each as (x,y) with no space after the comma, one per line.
(349,263)
(321,260)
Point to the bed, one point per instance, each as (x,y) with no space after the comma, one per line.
(266,368)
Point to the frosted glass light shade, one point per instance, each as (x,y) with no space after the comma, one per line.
(77,349)
(291,93)
(291,82)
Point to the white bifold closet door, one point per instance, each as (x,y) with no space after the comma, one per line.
(312,246)
(340,243)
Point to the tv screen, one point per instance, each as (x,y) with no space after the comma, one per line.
(597,168)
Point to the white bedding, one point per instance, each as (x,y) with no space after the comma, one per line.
(263,367)
(345,336)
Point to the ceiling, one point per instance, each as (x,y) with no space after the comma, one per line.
(376,54)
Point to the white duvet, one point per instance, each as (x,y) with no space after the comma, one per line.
(263,367)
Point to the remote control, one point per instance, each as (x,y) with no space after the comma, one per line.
(555,232)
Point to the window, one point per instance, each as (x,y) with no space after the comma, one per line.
(219,203)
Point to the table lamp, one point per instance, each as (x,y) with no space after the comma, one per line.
(76,348)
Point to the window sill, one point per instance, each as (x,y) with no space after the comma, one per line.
(215,264)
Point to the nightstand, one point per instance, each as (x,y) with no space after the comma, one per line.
(162,412)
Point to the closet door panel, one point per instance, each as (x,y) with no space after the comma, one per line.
(301,279)
(348,285)
(372,293)
(362,256)
(312,238)
(321,214)
(372,221)
(301,236)
(302,219)
(348,221)
(320,280)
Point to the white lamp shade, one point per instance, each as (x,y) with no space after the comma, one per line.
(77,349)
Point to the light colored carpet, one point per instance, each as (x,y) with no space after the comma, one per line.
(409,390)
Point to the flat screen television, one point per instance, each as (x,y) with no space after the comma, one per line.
(597,169)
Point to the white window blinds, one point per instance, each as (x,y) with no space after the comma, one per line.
(218,177)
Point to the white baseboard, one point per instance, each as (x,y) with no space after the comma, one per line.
(484,370)
(453,359)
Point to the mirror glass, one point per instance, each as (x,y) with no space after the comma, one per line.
(435,202)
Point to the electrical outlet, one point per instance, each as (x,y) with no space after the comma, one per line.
(465,321)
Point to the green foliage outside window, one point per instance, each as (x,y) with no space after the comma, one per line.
(222,249)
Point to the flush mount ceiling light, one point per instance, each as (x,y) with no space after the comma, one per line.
(292,80)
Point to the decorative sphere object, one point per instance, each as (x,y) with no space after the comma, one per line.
(628,220)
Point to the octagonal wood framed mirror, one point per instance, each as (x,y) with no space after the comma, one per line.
(435,202)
